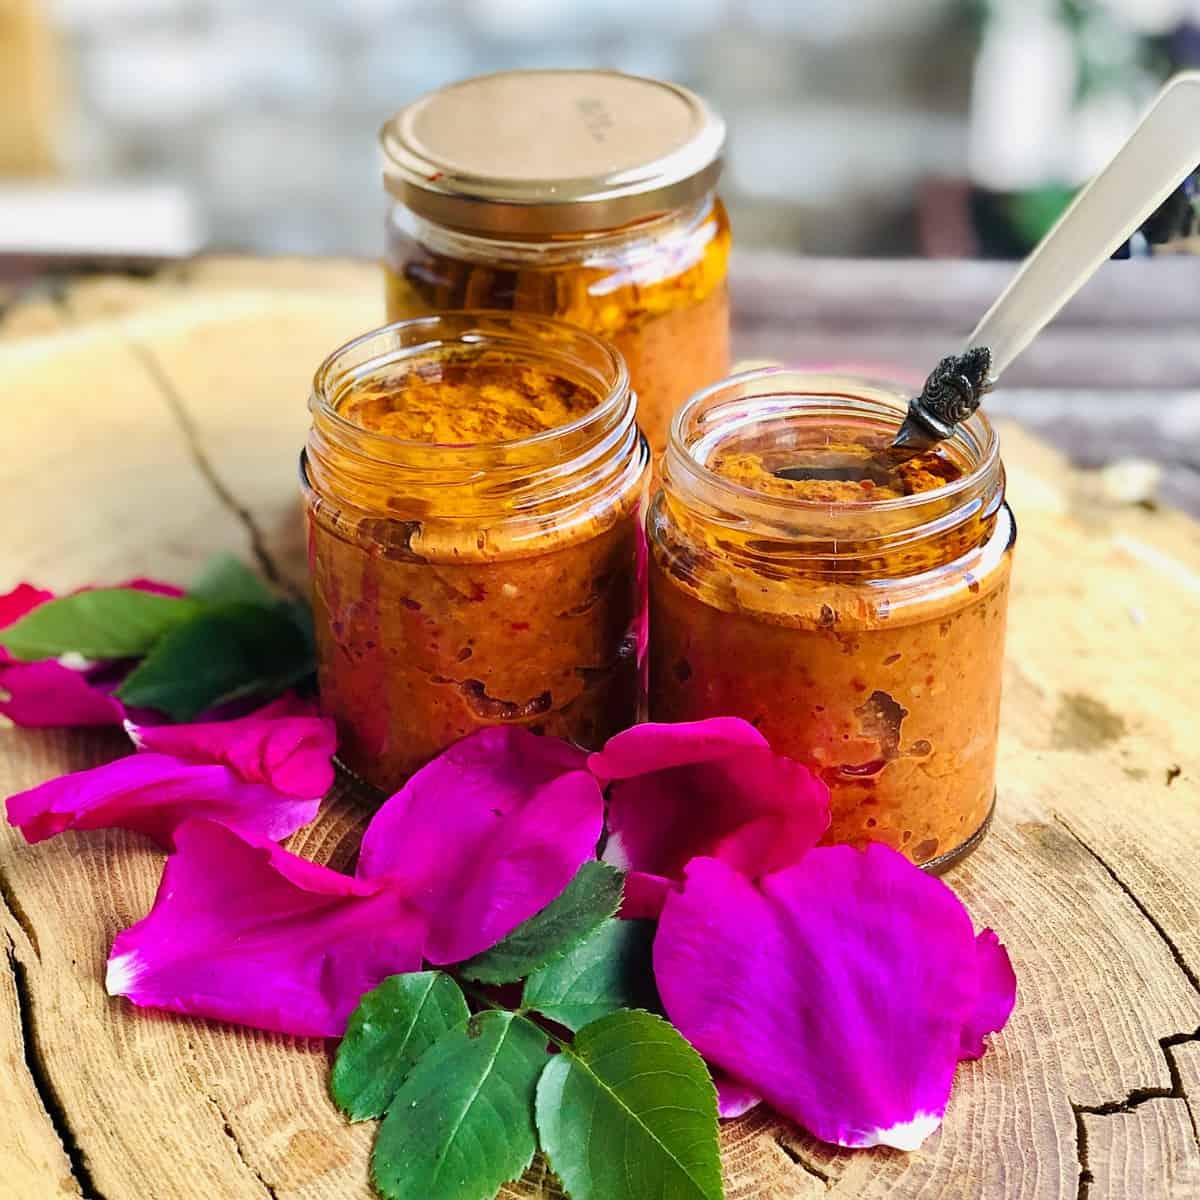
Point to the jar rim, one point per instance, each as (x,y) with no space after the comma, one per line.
(480,328)
(792,386)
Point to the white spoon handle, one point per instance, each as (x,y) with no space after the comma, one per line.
(1160,153)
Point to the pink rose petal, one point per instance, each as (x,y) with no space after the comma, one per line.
(734,1099)
(841,988)
(243,931)
(485,836)
(48,694)
(711,788)
(292,754)
(264,774)
(142,584)
(995,998)
(154,794)
(43,694)
(15,604)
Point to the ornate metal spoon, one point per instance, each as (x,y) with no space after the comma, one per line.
(1163,150)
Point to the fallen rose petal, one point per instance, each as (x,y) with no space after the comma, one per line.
(243,931)
(42,694)
(734,1099)
(709,788)
(25,597)
(996,995)
(485,836)
(142,584)
(841,988)
(154,794)
(51,693)
(47,695)
(279,745)
(15,604)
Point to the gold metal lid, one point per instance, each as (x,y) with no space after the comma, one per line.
(529,153)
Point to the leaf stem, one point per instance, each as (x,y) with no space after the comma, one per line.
(528,1015)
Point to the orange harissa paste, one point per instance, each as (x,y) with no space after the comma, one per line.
(452,590)
(664,305)
(859,638)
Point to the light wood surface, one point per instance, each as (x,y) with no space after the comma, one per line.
(148,423)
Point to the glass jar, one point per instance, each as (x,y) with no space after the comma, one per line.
(583,195)
(472,485)
(795,582)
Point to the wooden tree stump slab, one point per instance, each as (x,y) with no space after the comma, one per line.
(151,422)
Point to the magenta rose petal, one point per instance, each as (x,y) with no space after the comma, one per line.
(734,1099)
(291,753)
(47,695)
(996,995)
(645,895)
(243,931)
(485,836)
(264,774)
(40,695)
(142,584)
(709,788)
(153,794)
(840,988)
(15,604)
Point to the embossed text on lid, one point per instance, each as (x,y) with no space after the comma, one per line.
(545,152)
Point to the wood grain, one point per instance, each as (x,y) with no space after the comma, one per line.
(151,422)
(1131,1153)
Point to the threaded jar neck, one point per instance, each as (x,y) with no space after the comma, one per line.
(550,478)
(780,408)
(651,236)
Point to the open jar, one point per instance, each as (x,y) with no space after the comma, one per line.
(846,600)
(578,194)
(472,484)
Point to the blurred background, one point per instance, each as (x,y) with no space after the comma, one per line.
(940,128)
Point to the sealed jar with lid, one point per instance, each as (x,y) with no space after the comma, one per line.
(846,599)
(473,485)
(583,195)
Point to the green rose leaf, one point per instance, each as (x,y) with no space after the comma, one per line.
(630,1111)
(223,654)
(388,1032)
(590,898)
(225,580)
(462,1122)
(609,970)
(101,623)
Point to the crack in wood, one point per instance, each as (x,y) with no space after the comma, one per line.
(808,1168)
(183,419)
(1136,1097)
(194,1073)
(1177,954)
(1086,1178)
(53,1107)
(237,1147)
(8,898)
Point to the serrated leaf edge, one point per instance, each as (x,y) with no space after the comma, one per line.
(356,1017)
(569,1053)
(43,653)
(515,1017)
(206,611)
(464,969)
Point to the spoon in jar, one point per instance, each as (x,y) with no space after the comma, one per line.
(1161,152)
